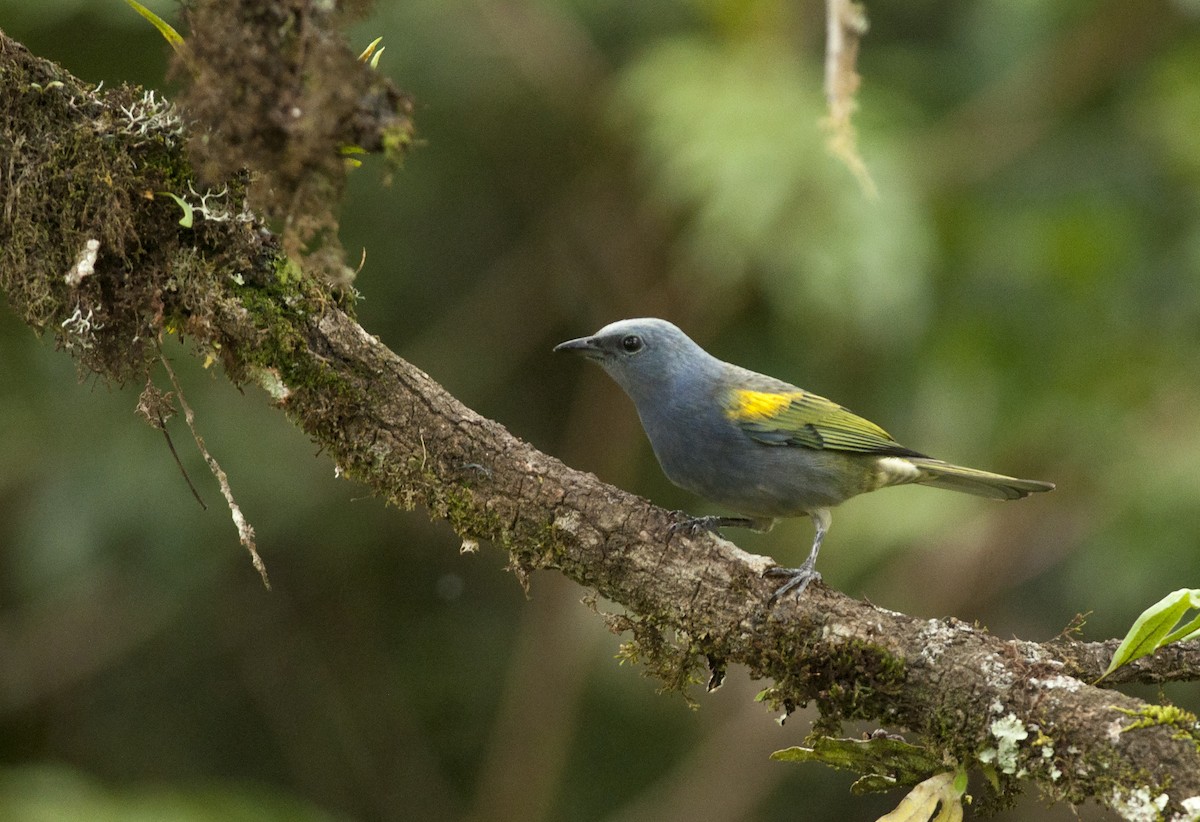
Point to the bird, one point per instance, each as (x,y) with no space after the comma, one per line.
(761,447)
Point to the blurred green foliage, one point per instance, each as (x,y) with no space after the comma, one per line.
(57,794)
(1023,297)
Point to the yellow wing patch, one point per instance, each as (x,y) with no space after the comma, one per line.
(748,406)
(806,420)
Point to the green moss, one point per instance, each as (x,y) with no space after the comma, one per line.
(81,171)
(288,272)
(875,674)
(396,141)
(664,654)
(456,505)
(280,308)
(1185,724)
(90,169)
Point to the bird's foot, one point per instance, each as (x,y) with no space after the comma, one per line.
(695,525)
(798,580)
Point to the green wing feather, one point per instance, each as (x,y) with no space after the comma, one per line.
(797,417)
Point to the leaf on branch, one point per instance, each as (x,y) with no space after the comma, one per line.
(1153,629)
(174,38)
(185,206)
(922,802)
(884,761)
(369,51)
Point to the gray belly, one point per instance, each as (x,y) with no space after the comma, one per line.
(727,467)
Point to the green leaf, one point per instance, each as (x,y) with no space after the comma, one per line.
(922,801)
(891,761)
(369,50)
(1152,629)
(960,781)
(872,783)
(164,28)
(1189,631)
(186,219)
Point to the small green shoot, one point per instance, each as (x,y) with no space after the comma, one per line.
(348,153)
(164,28)
(368,51)
(1153,629)
(186,219)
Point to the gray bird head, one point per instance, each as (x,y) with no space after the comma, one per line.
(645,356)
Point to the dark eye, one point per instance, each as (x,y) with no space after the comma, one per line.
(631,343)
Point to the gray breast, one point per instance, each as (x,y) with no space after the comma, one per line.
(714,459)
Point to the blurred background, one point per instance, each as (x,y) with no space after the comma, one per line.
(1022,297)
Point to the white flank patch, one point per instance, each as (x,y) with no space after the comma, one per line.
(896,470)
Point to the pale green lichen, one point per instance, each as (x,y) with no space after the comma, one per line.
(1065,683)
(1053,770)
(1191,810)
(271,382)
(1046,745)
(1008,731)
(1138,805)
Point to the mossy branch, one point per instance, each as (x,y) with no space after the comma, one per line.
(78,165)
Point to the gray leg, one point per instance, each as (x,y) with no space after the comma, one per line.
(798,578)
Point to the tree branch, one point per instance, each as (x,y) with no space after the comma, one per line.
(77,164)
(1177,662)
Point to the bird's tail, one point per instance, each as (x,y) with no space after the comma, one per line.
(973,481)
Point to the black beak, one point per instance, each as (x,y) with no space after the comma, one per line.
(583,345)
